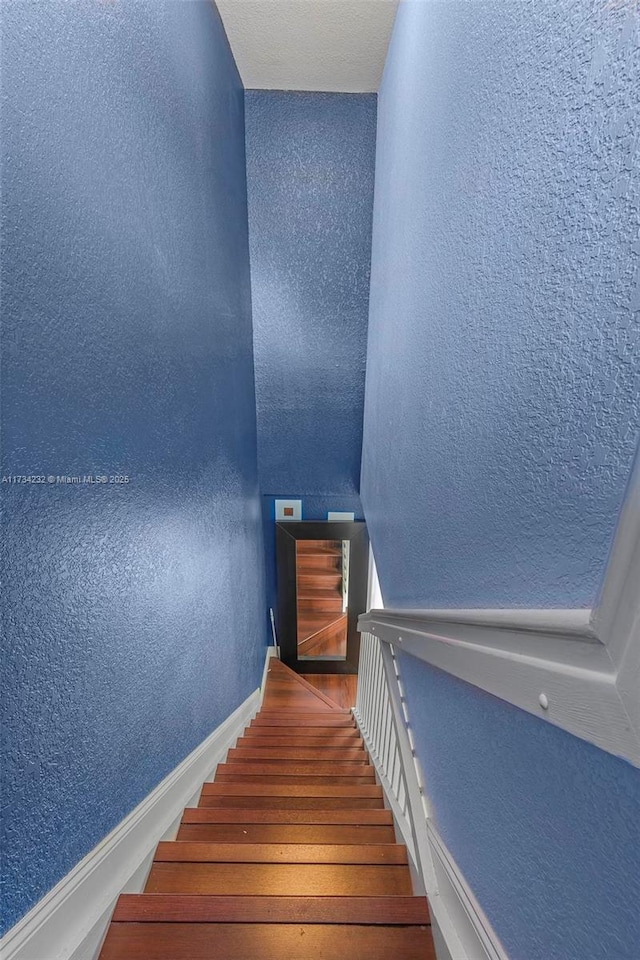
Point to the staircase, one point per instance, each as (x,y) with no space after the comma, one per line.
(290,854)
(322,625)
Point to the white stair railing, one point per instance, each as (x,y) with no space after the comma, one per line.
(381,716)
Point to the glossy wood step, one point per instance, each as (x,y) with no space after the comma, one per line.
(286,833)
(320,578)
(182,851)
(324,635)
(305,710)
(313,621)
(277,736)
(318,562)
(358,817)
(344,755)
(171,908)
(230,776)
(284,751)
(285,688)
(280,879)
(320,591)
(258,790)
(294,768)
(319,604)
(247,941)
(290,803)
(299,768)
(326,722)
(341,688)
(318,546)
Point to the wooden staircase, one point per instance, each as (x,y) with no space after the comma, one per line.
(290,854)
(322,625)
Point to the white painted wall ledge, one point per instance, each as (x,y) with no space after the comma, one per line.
(70,922)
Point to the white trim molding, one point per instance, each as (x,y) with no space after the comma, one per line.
(462,921)
(70,922)
(577,669)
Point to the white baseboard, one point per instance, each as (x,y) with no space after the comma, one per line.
(464,927)
(70,922)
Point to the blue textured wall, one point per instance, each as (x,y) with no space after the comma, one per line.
(501,418)
(545,827)
(503,370)
(310,169)
(134,613)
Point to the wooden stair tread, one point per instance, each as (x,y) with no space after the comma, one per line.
(168,908)
(286,833)
(201,852)
(326,560)
(290,803)
(314,546)
(292,816)
(319,592)
(266,754)
(319,578)
(298,753)
(276,736)
(315,768)
(231,776)
(249,941)
(321,604)
(312,622)
(305,710)
(326,722)
(291,791)
(280,879)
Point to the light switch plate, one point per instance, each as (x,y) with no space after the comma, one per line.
(288,509)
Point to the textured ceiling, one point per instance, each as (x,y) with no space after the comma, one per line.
(309,44)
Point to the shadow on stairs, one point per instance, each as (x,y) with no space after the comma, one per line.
(290,854)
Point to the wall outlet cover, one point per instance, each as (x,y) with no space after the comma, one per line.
(342,515)
(288,509)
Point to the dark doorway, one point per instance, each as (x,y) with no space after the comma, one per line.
(322,571)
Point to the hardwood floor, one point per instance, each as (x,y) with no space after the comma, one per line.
(341,688)
(290,855)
